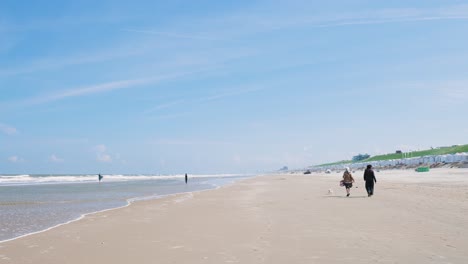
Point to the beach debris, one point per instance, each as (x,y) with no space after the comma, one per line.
(422,169)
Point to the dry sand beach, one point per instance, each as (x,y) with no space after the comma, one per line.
(412,218)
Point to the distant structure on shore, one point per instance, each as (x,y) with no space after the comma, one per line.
(285,168)
(438,157)
(361,157)
(433,161)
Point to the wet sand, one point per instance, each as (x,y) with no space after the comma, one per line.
(412,218)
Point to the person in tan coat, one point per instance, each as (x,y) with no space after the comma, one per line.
(348,181)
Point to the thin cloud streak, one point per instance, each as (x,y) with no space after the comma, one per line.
(171,116)
(58,63)
(179,142)
(63,22)
(257,23)
(388,21)
(452,96)
(169,34)
(101,88)
(199,100)
(229,94)
(164,106)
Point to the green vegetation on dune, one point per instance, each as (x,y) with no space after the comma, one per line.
(428,152)
(334,163)
(414,154)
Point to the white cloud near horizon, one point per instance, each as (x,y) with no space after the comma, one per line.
(103,157)
(55,159)
(7,129)
(101,153)
(15,159)
(100,148)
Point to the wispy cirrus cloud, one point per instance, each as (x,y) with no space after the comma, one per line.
(170,34)
(230,93)
(194,101)
(171,116)
(248,23)
(7,129)
(45,64)
(387,21)
(164,106)
(394,15)
(442,93)
(453,95)
(58,23)
(86,90)
(99,88)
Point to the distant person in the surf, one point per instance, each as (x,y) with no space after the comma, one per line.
(348,181)
(186,178)
(100,177)
(370,179)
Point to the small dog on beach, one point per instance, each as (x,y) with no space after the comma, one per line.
(330,191)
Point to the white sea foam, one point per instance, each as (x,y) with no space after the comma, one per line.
(54,179)
(180,196)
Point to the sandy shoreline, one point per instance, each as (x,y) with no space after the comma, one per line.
(413,218)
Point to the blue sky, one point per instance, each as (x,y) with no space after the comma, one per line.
(226,86)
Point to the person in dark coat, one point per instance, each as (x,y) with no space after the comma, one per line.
(186,178)
(370,179)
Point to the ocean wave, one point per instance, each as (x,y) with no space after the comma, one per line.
(26,179)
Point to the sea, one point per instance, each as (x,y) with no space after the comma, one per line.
(34,203)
